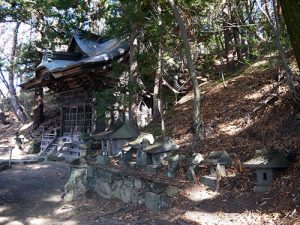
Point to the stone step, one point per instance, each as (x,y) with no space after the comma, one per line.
(260,188)
(209,181)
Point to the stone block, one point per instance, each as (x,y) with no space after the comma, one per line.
(173,167)
(103,159)
(152,201)
(90,171)
(154,169)
(172,191)
(209,181)
(141,199)
(143,158)
(138,184)
(260,188)
(126,194)
(116,187)
(129,182)
(103,189)
(75,188)
(156,188)
(104,175)
(156,202)
(159,158)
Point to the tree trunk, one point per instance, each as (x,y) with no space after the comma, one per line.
(133,75)
(228,36)
(290,10)
(191,68)
(158,78)
(236,30)
(17,107)
(38,110)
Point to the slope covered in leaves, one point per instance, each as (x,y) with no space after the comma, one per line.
(254,111)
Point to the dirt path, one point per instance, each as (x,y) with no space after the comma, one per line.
(32,195)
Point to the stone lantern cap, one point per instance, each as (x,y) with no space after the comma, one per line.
(137,143)
(126,131)
(215,157)
(161,145)
(268,160)
(103,135)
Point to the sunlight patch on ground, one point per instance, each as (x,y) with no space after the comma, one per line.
(4,219)
(15,223)
(260,63)
(260,93)
(235,126)
(3,208)
(37,166)
(64,209)
(44,221)
(222,218)
(53,198)
(186,98)
(198,193)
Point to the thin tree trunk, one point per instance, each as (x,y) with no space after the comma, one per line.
(133,75)
(17,107)
(14,102)
(158,78)
(236,30)
(191,68)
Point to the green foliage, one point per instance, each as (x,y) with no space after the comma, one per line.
(104,100)
(35,145)
(85,137)
(26,100)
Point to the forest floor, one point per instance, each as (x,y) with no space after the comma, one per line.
(253,111)
(26,199)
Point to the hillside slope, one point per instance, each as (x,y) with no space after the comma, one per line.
(254,111)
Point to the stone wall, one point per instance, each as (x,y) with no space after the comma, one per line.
(109,183)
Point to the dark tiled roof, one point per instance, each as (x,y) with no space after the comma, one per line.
(268,159)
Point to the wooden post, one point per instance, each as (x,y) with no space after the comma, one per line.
(191,169)
(10,155)
(38,109)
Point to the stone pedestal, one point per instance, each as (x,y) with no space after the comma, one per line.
(209,181)
(143,158)
(103,159)
(173,166)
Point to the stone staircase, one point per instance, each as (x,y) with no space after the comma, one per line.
(48,144)
(67,147)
